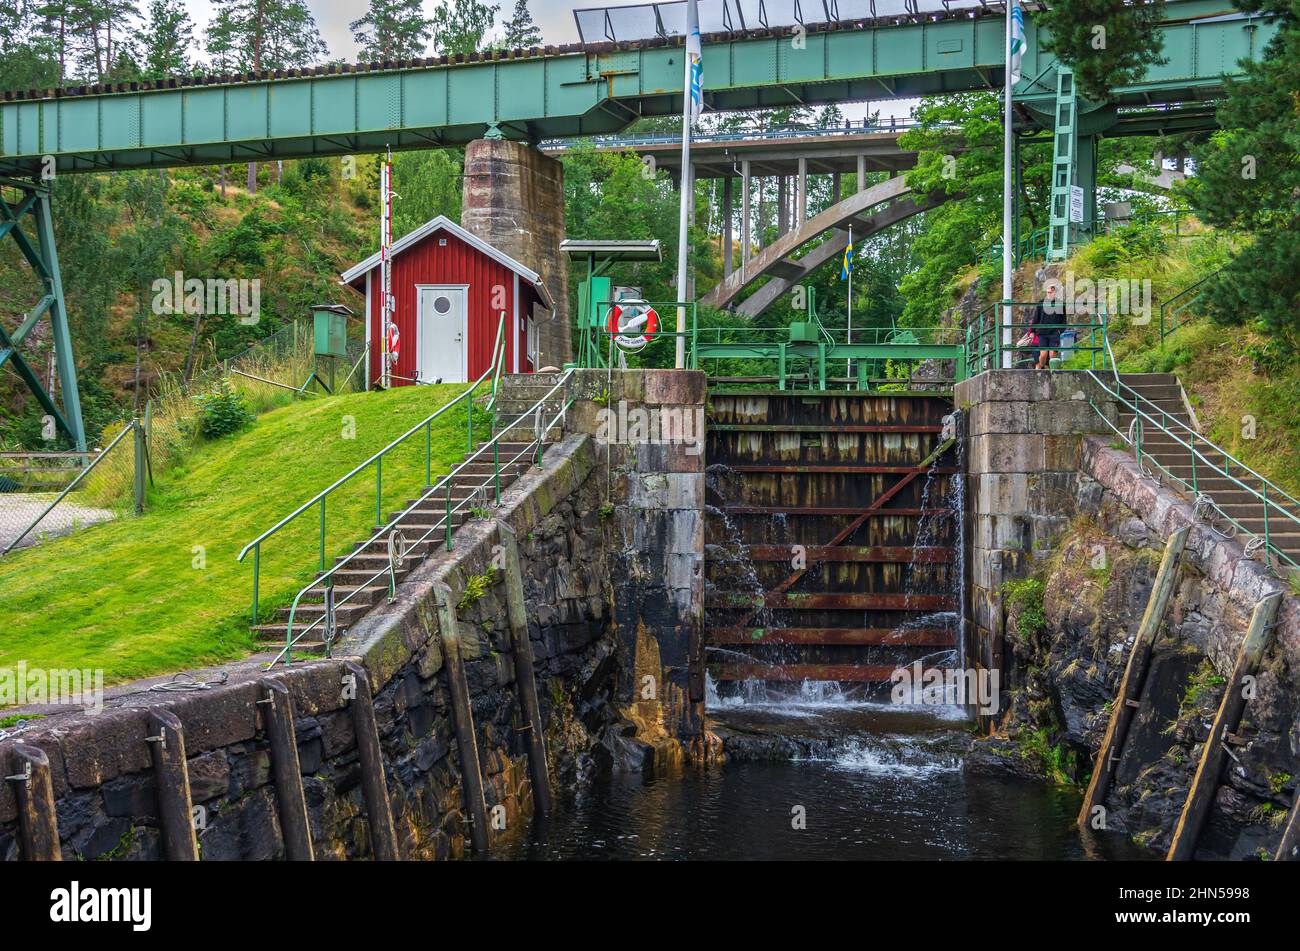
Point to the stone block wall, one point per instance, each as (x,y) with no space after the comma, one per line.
(105,786)
(654,478)
(513,199)
(1025,431)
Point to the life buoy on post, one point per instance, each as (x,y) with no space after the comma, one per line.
(394,342)
(633,323)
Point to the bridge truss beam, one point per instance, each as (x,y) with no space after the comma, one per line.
(32,206)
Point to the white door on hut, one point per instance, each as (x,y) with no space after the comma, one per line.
(442,328)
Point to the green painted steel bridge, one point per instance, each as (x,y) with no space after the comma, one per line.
(570,91)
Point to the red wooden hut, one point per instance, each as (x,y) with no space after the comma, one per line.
(450,289)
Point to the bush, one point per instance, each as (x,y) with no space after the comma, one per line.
(222,411)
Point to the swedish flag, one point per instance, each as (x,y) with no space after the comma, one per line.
(846,267)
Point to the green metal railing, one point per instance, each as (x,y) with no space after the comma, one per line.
(1030,247)
(389,532)
(1148,417)
(820,347)
(1173,309)
(598,350)
(986,347)
(376,462)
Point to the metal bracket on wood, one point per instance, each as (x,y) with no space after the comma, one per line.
(524,674)
(1130,685)
(1208,772)
(462,715)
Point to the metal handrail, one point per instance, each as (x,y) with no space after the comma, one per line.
(443,524)
(101,455)
(1166,330)
(984,346)
(1170,426)
(255,546)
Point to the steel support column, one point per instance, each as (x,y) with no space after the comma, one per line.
(726,226)
(744,211)
(44,260)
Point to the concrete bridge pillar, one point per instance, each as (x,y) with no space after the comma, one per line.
(801,196)
(862,172)
(514,200)
(782,208)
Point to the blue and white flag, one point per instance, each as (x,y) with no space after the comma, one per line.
(693,54)
(1017,41)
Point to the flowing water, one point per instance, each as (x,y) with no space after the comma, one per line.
(823,769)
(872,781)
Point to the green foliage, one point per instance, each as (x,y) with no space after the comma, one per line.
(1203,683)
(460,25)
(264,34)
(392,29)
(1248,178)
(222,411)
(1027,595)
(1059,764)
(1108,43)
(14,719)
(520,32)
(476,587)
(132,597)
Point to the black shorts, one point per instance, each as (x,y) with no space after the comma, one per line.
(1049,339)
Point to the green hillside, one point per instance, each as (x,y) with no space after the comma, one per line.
(163,591)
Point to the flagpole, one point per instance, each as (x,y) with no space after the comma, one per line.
(686,180)
(848,361)
(1008,247)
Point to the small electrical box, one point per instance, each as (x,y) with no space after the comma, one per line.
(331,326)
(803,331)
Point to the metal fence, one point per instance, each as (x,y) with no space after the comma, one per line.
(49,494)
(645,21)
(103,483)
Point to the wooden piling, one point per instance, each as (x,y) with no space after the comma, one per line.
(172,779)
(379,812)
(1231,707)
(1288,850)
(291,801)
(1130,685)
(38,825)
(524,676)
(471,776)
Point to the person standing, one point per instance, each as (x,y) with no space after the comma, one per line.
(1045,323)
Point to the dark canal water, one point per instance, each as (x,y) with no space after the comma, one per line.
(872,782)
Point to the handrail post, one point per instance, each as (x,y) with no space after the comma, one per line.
(447,519)
(257,570)
(379,491)
(322,533)
(496,467)
(428,453)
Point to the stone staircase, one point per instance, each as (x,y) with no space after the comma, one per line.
(1164,392)
(357,581)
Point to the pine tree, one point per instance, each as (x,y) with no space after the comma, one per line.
(1107,43)
(392,29)
(460,25)
(520,30)
(166,40)
(97,33)
(262,35)
(1248,179)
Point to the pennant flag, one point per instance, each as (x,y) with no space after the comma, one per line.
(846,266)
(1017,41)
(693,53)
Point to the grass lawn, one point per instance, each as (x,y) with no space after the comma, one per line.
(163,592)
